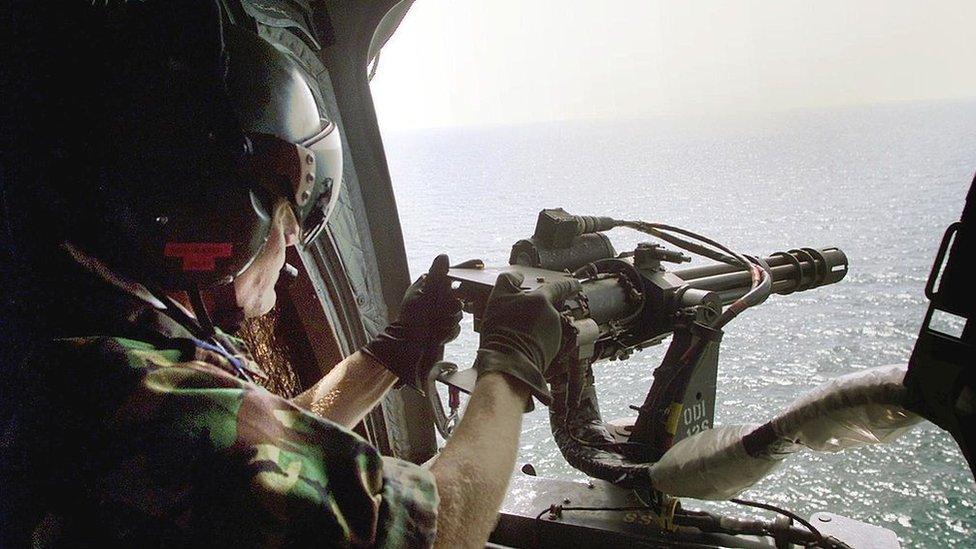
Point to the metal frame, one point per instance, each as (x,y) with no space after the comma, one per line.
(404,425)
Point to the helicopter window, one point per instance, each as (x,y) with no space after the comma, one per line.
(767,127)
(947,323)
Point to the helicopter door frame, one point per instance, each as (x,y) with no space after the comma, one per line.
(359,270)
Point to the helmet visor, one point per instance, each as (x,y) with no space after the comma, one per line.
(308,174)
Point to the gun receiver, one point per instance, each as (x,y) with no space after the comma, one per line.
(609,298)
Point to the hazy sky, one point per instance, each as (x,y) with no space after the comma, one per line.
(478,62)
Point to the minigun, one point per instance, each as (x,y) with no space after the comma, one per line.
(630,301)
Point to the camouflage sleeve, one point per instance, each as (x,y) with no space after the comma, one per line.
(191,454)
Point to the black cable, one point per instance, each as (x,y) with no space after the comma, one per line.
(175,312)
(761,285)
(755,296)
(658,229)
(203,315)
(556,509)
(768,274)
(781,511)
(535,525)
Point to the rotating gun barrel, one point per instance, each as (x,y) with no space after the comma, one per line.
(793,271)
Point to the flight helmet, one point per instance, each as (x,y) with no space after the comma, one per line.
(193,169)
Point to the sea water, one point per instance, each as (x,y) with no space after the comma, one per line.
(879,182)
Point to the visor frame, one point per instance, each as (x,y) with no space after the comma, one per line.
(324,144)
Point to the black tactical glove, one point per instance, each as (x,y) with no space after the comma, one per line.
(521,331)
(429,317)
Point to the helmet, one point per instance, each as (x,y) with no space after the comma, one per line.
(195,154)
(291,149)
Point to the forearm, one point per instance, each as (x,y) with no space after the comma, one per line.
(349,391)
(473,470)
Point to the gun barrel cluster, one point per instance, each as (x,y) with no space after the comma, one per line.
(793,271)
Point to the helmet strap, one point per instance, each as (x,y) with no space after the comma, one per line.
(200,311)
(226,313)
(223,312)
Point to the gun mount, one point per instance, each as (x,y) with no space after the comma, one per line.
(631,300)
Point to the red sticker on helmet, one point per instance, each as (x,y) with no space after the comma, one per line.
(199,256)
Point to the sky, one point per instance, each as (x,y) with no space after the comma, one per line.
(498,62)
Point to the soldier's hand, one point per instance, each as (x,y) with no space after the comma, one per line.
(429,318)
(522,331)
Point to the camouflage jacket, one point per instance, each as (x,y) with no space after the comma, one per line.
(120,441)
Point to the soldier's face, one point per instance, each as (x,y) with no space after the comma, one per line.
(254,288)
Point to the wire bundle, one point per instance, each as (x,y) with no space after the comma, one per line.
(762,280)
